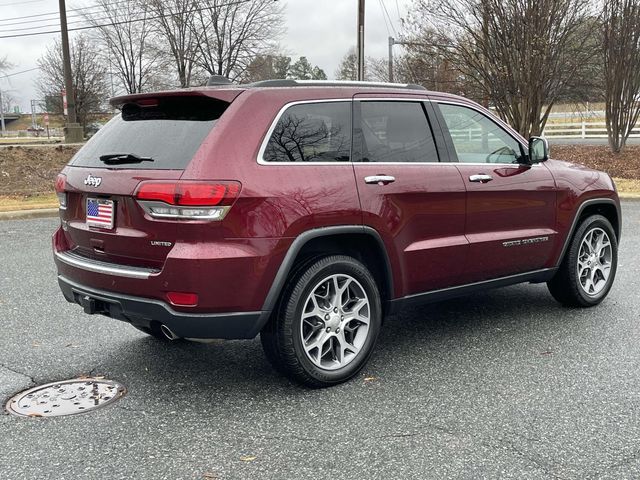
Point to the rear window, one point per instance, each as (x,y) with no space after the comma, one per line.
(169,131)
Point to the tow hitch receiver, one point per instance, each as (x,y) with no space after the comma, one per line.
(90,305)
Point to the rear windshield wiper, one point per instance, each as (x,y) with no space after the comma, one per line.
(122,158)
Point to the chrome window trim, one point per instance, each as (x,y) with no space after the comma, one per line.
(417,97)
(105,268)
(265,140)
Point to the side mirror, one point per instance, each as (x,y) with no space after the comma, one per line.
(538,150)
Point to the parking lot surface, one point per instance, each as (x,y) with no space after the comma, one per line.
(502,384)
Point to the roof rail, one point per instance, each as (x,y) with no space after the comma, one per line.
(332,83)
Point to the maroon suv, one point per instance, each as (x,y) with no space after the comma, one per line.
(307,212)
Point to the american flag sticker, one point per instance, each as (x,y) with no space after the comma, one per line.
(100,213)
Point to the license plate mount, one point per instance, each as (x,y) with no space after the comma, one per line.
(101,213)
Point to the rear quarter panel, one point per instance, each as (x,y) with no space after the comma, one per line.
(277,202)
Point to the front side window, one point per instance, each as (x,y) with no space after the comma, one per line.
(313,132)
(397,132)
(478,139)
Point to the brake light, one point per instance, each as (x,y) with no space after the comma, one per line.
(147,102)
(187,199)
(61,185)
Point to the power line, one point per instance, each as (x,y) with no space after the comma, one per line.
(384,7)
(19,3)
(83,20)
(124,22)
(54,17)
(386,24)
(19,73)
(56,13)
(399,14)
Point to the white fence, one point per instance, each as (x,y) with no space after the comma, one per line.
(42,134)
(578,130)
(581,130)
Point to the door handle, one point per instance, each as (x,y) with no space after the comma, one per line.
(481,177)
(379,179)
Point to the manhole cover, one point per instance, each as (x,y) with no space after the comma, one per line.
(65,398)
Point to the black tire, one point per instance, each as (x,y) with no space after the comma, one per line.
(282,340)
(565,286)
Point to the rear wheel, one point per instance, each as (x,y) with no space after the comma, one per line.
(327,322)
(589,267)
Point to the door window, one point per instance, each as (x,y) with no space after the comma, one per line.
(396,132)
(478,139)
(312,132)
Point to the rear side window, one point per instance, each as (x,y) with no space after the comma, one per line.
(169,132)
(312,132)
(396,132)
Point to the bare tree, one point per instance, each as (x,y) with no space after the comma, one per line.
(621,49)
(376,69)
(124,29)
(522,55)
(89,77)
(5,64)
(232,34)
(8,101)
(173,22)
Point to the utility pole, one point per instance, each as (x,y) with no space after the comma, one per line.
(73,131)
(2,113)
(361,40)
(34,122)
(392,42)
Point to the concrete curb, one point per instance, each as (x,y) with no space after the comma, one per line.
(25,214)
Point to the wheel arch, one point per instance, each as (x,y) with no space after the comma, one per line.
(607,207)
(360,242)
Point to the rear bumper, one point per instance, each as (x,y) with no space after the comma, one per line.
(143,311)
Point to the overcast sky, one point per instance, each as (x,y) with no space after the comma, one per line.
(321,30)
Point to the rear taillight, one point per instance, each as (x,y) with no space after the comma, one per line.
(191,200)
(61,185)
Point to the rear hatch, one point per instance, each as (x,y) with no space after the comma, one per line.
(152,140)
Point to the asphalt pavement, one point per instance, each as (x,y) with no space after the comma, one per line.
(501,384)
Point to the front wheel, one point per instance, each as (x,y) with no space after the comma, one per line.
(327,322)
(589,267)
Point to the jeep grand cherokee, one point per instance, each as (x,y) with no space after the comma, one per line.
(306,212)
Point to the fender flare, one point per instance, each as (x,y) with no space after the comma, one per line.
(301,240)
(574,224)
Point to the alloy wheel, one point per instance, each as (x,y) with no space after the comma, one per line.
(594,261)
(335,321)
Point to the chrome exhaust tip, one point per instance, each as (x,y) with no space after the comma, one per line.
(166,331)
